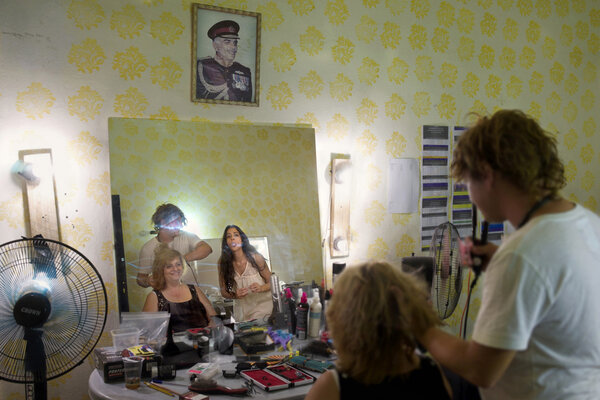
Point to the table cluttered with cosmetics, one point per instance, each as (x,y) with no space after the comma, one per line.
(230,360)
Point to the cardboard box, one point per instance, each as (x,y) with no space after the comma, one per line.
(109,364)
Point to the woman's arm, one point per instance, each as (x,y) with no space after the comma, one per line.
(324,388)
(265,273)
(151,303)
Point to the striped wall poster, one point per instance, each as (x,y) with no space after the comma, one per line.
(462,207)
(434,181)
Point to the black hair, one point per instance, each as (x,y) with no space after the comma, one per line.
(226,269)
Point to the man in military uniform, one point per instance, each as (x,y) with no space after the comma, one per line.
(220,77)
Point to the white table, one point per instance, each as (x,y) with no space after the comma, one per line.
(98,390)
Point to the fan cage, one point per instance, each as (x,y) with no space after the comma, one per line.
(78,300)
(446,285)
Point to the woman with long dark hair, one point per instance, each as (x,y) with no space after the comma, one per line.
(244,276)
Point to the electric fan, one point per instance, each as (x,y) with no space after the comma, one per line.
(52,311)
(446,284)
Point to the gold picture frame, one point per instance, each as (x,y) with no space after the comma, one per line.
(225,55)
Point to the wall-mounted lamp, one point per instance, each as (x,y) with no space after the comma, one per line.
(39,192)
(341,171)
(25,171)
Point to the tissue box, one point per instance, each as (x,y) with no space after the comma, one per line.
(109,364)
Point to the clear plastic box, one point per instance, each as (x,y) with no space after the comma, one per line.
(125,337)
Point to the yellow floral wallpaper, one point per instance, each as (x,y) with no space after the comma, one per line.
(365,74)
(262,178)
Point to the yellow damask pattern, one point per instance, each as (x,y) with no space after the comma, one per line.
(311,85)
(368,72)
(338,127)
(312,41)
(85,14)
(396,145)
(85,148)
(85,104)
(130,63)
(406,246)
(343,51)
(367,142)
(271,15)
(367,111)
(87,56)
(374,176)
(98,189)
(283,57)
(128,22)
(402,220)
(36,101)
(378,249)
(132,103)
(375,213)
(280,96)
(166,74)
(166,28)
(395,108)
(341,87)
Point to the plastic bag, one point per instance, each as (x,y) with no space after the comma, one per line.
(152,325)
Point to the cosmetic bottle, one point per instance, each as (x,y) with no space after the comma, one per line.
(314,320)
(291,311)
(302,318)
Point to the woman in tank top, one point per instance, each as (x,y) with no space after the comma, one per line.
(188,305)
(244,276)
(374,316)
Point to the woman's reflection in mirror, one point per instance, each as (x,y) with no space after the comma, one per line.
(188,305)
(168,220)
(244,276)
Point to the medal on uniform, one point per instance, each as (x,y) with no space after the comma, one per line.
(240,82)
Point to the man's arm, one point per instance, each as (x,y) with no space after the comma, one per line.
(145,264)
(479,364)
(143,280)
(202,250)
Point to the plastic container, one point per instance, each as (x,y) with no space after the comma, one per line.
(125,337)
(152,325)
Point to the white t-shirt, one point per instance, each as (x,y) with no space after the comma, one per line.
(183,243)
(541,297)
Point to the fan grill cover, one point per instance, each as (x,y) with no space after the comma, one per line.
(447,275)
(78,306)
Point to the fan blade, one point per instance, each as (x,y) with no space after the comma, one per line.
(76,318)
(447,279)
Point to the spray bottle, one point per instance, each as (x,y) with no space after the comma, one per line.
(314,322)
(291,311)
(302,318)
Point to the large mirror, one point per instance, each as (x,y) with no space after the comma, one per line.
(262,178)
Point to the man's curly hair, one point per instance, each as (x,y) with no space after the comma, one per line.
(513,144)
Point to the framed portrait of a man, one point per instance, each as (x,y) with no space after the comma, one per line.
(225,55)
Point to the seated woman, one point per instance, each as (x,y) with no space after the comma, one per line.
(244,276)
(188,305)
(374,316)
